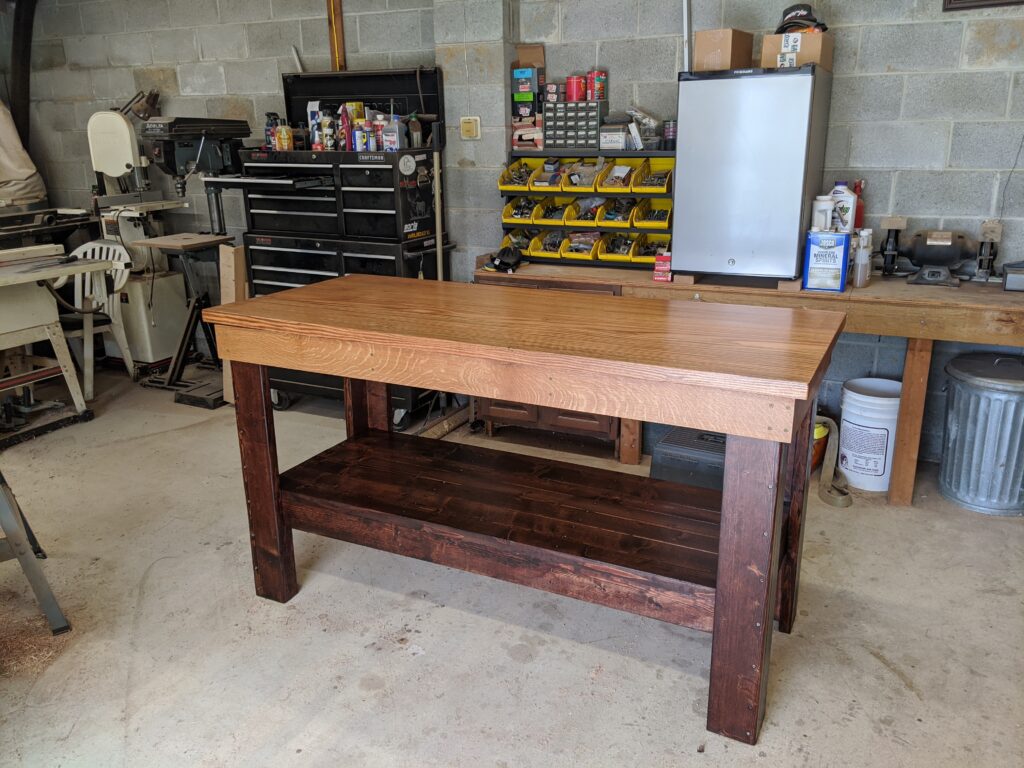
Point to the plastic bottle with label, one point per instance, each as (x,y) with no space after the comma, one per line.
(821,212)
(394,135)
(845,207)
(862,260)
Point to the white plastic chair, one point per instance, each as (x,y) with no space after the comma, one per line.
(99,291)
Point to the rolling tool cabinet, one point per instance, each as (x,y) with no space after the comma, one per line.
(311,216)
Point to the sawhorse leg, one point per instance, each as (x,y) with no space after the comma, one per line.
(798,479)
(17,545)
(67,365)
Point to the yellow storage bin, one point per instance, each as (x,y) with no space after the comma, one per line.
(539,216)
(645,240)
(537,246)
(604,254)
(655,165)
(508,218)
(604,223)
(568,186)
(647,208)
(506,242)
(579,256)
(505,183)
(541,173)
(602,177)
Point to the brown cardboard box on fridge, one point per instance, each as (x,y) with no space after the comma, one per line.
(795,49)
(718,49)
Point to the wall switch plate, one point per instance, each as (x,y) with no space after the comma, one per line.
(469,128)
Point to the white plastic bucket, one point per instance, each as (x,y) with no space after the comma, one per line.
(867,435)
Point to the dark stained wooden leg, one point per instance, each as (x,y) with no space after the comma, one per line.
(798,478)
(367,406)
(630,438)
(745,589)
(273,558)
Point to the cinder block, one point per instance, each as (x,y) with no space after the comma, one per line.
(106,18)
(486,63)
(473,187)
(85,109)
(402,5)
(837,148)
(666,16)
(129,50)
(485,20)
(1012,246)
(369,60)
(851,361)
(299,9)
(994,44)
(412,59)
(859,98)
(491,103)
(452,59)
(264,104)
(198,12)
(847,48)
(46,54)
(253,76)
(910,47)
(658,99)
(231,108)
(399,31)
(52,115)
(600,20)
(427,29)
(273,38)
(956,95)
(203,79)
(898,145)
(223,41)
(164,79)
(1017,100)
(867,11)
(313,33)
(74,85)
(744,14)
(41,83)
(350,27)
(475,227)
(57,22)
(985,145)
(538,22)
(487,152)
(625,59)
(178,46)
(940,193)
(570,59)
(450,22)
(66,174)
(74,145)
(1010,202)
(116,83)
(889,361)
(621,94)
(456,102)
(829,395)
(185,106)
(151,14)
(244,10)
(86,52)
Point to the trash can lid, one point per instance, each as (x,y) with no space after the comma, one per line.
(989,370)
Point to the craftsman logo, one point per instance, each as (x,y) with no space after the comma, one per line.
(371,158)
(263,241)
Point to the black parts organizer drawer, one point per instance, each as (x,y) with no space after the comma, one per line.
(357,263)
(378,201)
(369,222)
(379,176)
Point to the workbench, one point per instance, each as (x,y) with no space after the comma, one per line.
(726,562)
(974,313)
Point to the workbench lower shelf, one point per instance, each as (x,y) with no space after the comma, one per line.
(644,546)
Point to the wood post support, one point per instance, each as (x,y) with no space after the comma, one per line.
(798,479)
(908,428)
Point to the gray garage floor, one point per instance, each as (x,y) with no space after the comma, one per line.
(907,651)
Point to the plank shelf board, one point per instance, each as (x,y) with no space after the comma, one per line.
(649,546)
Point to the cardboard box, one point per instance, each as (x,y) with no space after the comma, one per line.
(718,49)
(528,69)
(795,50)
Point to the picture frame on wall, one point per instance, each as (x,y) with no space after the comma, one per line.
(966,5)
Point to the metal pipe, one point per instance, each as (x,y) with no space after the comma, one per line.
(21,64)
(686,35)
(438,216)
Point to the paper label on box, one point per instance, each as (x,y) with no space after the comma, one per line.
(786,60)
(791,43)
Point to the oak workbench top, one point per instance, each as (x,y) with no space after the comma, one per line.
(570,349)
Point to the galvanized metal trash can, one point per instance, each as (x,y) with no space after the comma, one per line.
(983,456)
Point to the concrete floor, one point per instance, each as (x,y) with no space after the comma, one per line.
(907,651)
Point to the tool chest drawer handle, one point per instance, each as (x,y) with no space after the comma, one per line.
(369,210)
(293,270)
(291,213)
(372,167)
(366,189)
(384,257)
(289,250)
(320,198)
(287,165)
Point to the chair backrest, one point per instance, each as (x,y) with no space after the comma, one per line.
(102,285)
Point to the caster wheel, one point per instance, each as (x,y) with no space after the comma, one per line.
(280,400)
(402,424)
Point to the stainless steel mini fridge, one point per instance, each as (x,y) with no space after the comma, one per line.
(749,158)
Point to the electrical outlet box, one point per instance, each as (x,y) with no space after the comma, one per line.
(469,128)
